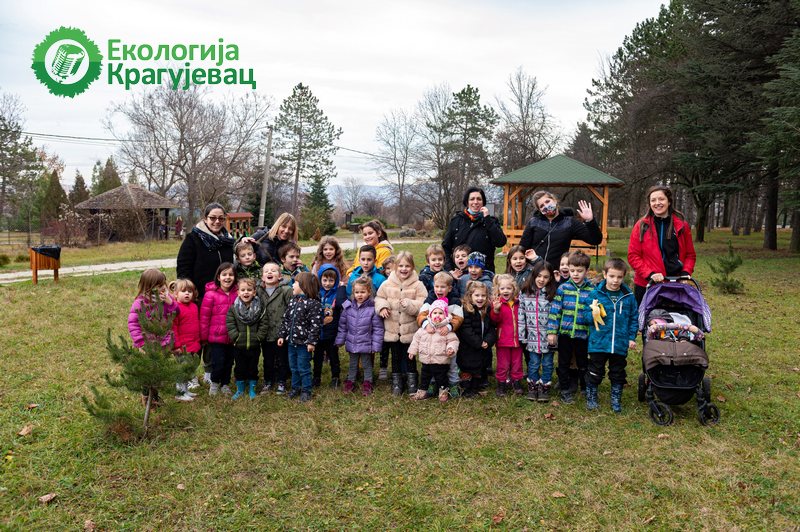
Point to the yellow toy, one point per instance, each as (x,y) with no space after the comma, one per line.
(598,313)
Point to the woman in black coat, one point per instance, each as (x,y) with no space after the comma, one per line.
(550,232)
(474,227)
(267,243)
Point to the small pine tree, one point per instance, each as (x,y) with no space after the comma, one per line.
(725,266)
(148,369)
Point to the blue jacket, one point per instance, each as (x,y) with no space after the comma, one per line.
(622,321)
(377,279)
(486,278)
(331,303)
(567,310)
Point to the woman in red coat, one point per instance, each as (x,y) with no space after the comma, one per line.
(661,243)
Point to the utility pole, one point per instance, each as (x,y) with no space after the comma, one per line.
(266,184)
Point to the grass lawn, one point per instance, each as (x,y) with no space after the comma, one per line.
(375,463)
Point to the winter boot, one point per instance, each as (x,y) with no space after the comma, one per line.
(397,384)
(239,390)
(411,380)
(501,389)
(334,383)
(517,387)
(366,388)
(533,391)
(251,389)
(544,392)
(348,386)
(591,396)
(382,376)
(616,398)
(455,390)
(305,396)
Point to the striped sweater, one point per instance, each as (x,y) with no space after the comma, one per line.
(566,310)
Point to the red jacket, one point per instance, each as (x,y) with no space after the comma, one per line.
(507,321)
(644,255)
(213,312)
(186,327)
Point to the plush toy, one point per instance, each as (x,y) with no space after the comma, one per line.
(598,313)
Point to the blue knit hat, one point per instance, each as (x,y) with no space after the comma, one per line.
(476,258)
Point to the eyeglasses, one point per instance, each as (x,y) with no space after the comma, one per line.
(217,218)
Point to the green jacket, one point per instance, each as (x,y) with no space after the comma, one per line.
(275,306)
(246,336)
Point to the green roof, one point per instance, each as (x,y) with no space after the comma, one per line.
(558,171)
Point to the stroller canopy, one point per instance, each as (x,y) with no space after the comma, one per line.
(685,295)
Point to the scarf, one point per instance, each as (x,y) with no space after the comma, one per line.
(473,217)
(248,314)
(211,241)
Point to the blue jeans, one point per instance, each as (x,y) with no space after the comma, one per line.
(300,364)
(546,361)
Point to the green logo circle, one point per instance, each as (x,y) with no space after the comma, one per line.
(67,61)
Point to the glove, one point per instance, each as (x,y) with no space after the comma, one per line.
(598,313)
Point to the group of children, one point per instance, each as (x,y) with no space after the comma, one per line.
(291,317)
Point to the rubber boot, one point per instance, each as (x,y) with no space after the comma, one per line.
(616,398)
(397,384)
(591,396)
(239,390)
(251,389)
(411,381)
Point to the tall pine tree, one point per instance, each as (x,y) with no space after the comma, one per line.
(105,179)
(79,191)
(53,200)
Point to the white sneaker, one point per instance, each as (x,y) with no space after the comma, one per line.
(190,394)
(226,390)
(184,397)
(193,384)
(207,378)
(213,389)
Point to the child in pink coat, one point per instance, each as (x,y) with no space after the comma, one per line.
(505,314)
(220,295)
(435,350)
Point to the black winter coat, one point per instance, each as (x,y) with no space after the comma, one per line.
(484,235)
(267,249)
(473,332)
(302,321)
(551,239)
(198,263)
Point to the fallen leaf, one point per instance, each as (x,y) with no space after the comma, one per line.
(606,453)
(729,386)
(181,487)
(555,403)
(798,395)
(741,485)
(557,495)
(662,436)
(31,406)
(89,525)
(549,416)
(26,430)
(498,517)
(44,499)
(721,398)
(795,369)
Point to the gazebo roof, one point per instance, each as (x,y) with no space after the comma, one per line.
(127,197)
(558,171)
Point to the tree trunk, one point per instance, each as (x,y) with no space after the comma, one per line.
(794,243)
(297,172)
(771,211)
(702,215)
(726,210)
(147,408)
(735,214)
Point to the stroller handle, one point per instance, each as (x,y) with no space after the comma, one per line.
(676,279)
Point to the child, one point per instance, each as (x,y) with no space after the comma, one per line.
(612,336)
(329,252)
(567,325)
(152,289)
(246,263)
(220,295)
(300,329)
(504,314)
(366,260)
(361,332)
(289,255)
(562,274)
(534,306)
(434,258)
(186,327)
(443,289)
(398,302)
(388,265)
(518,266)
(477,336)
(460,259)
(246,325)
(332,295)
(661,325)
(435,350)
(275,295)
(476,268)
(386,269)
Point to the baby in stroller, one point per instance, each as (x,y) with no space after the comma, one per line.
(664,325)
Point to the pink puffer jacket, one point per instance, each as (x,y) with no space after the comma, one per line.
(213,312)
(431,347)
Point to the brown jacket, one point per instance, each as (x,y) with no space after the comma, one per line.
(401,324)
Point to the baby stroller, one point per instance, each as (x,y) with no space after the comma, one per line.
(674,365)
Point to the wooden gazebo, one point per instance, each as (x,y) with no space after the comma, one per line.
(148,207)
(558,171)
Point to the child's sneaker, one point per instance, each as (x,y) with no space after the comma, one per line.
(184,397)
(420,395)
(517,387)
(281,388)
(443,394)
(544,393)
(226,390)
(348,387)
(193,384)
(334,383)
(207,378)
(501,389)
(383,374)
(366,388)
(305,396)
(567,397)
(454,391)
(293,393)
(213,389)
(266,388)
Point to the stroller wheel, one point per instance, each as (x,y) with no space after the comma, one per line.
(707,388)
(660,413)
(709,415)
(642,387)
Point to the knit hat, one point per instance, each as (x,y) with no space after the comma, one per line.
(440,304)
(476,258)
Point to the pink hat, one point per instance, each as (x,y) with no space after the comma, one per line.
(441,304)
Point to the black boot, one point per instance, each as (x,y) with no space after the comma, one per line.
(501,389)
(411,380)
(397,384)
(334,382)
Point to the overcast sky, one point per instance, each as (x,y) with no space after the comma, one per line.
(361,59)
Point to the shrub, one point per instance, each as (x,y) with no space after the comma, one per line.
(4,259)
(22,258)
(409,232)
(725,266)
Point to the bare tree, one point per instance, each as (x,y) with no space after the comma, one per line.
(398,136)
(183,144)
(350,194)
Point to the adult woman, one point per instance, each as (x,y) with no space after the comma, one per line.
(269,242)
(206,246)
(374,235)
(550,232)
(661,242)
(474,227)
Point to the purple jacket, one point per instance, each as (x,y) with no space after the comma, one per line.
(213,312)
(137,335)
(360,328)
